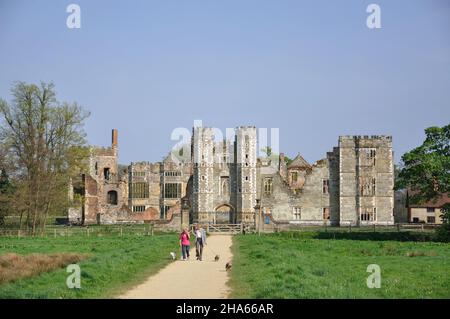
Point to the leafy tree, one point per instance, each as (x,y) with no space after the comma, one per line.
(267,150)
(426,169)
(5,190)
(46,141)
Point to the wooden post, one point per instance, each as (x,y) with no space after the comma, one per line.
(242,228)
(54,233)
(18,233)
(350,228)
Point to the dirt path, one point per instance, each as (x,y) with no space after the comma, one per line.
(190,279)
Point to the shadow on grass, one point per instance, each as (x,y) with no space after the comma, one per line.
(377,236)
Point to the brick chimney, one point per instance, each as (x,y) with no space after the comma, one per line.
(114,139)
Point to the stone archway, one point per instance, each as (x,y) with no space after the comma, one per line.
(223,214)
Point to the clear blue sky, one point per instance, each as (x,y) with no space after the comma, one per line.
(310,68)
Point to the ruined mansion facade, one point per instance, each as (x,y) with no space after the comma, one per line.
(227,182)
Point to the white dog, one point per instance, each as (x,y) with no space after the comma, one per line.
(173,255)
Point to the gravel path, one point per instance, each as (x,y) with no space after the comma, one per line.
(190,279)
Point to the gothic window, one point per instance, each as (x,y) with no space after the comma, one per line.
(172,190)
(294,176)
(268,185)
(368,213)
(367,186)
(164,211)
(139,190)
(138,209)
(106,173)
(225,186)
(112,198)
(326,213)
(138,174)
(367,156)
(296,213)
(325,186)
(172,173)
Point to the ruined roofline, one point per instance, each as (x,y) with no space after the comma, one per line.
(366,137)
(102,150)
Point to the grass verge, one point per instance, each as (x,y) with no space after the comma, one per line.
(300,265)
(115,264)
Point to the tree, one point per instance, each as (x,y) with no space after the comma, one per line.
(5,191)
(46,141)
(267,150)
(426,169)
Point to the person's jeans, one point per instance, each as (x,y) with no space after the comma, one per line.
(185,251)
(199,248)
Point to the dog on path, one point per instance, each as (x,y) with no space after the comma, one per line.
(228,266)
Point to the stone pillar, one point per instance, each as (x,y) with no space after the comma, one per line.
(185,206)
(184,218)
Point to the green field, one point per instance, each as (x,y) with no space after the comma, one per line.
(115,264)
(321,265)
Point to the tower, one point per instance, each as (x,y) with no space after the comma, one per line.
(366,180)
(245,158)
(203,169)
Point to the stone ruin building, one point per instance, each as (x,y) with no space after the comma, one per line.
(227,183)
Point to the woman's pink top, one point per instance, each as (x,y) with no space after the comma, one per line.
(184,239)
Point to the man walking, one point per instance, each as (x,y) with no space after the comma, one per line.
(200,241)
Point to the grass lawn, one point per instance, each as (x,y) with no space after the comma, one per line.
(300,265)
(115,264)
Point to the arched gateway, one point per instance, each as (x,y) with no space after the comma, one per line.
(223,214)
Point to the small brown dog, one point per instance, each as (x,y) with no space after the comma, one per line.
(228,266)
(216,258)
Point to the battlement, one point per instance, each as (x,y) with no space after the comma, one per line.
(365,137)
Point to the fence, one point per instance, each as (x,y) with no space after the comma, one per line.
(399,227)
(148,230)
(68,231)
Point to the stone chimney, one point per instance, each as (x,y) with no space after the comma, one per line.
(114,139)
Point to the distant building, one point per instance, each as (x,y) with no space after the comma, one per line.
(428,212)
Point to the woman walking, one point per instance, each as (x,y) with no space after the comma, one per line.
(185,244)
